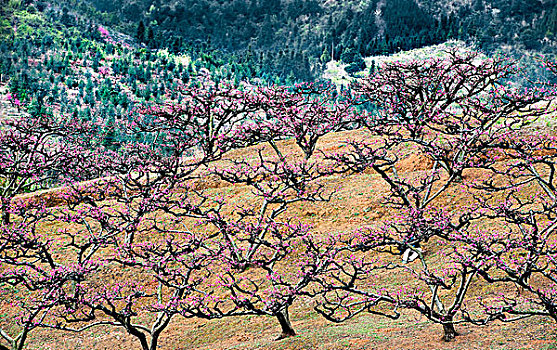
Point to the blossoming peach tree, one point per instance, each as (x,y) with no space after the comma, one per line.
(36,153)
(147,239)
(518,252)
(452,113)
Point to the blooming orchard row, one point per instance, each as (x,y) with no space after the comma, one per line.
(139,232)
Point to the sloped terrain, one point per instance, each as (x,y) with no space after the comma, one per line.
(356,202)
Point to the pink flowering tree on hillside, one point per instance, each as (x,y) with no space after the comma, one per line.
(450,113)
(521,209)
(134,233)
(109,214)
(146,182)
(208,113)
(36,152)
(39,284)
(109,228)
(260,245)
(305,112)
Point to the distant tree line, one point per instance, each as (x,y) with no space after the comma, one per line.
(293,36)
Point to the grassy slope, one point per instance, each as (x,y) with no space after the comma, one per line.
(356,203)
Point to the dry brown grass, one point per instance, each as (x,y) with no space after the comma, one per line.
(357,201)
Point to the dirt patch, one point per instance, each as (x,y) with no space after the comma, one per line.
(414,162)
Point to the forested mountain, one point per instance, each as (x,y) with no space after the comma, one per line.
(59,62)
(309,28)
(527,23)
(303,28)
(294,38)
(54,54)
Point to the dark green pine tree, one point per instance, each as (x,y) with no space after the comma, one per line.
(140,35)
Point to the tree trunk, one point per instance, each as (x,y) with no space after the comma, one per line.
(286,326)
(5,218)
(449,332)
